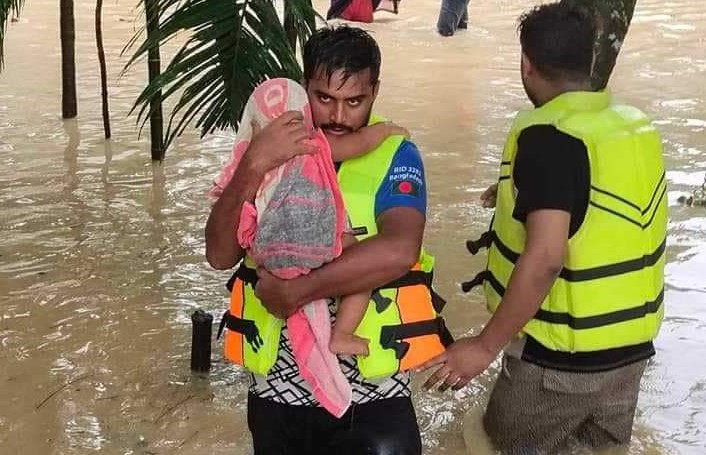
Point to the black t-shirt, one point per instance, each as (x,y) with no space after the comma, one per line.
(552,172)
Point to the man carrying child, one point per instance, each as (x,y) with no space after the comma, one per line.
(385,196)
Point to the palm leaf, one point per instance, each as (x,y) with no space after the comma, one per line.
(8,9)
(299,21)
(233,45)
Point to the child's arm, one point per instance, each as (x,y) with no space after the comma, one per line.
(362,141)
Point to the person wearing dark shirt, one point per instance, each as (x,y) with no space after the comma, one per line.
(575,275)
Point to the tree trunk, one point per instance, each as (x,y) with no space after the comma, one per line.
(101,60)
(153,67)
(613,19)
(69,108)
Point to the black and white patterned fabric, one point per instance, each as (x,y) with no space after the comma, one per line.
(285,385)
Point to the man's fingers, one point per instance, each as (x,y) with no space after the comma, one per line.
(450,381)
(489,196)
(488,203)
(490,192)
(305,148)
(441,358)
(438,375)
(462,382)
(299,133)
(288,117)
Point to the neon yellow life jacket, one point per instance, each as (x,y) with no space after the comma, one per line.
(402,320)
(611,289)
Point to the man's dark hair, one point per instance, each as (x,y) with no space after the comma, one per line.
(344,48)
(558,39)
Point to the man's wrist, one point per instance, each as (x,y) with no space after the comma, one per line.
(253,166)
(301,290)
(491,343)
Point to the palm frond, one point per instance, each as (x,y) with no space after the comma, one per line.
(299,21)
(233,45)
(8,9)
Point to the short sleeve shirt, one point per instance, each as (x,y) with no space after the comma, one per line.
(552,171)
(404,185)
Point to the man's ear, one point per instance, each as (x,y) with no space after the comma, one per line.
(526,66)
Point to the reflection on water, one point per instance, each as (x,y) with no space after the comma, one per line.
(101,257)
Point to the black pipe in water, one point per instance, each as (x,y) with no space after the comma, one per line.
(201,324)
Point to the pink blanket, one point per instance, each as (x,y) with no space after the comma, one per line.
(295,226)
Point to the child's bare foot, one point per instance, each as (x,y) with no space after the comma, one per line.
(347,343)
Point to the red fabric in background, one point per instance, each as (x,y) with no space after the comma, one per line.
(359,11)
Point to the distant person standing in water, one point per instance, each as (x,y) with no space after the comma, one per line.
(453,16)
(360,10)
(576,253)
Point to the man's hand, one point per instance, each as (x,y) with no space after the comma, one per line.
(489,196)
(282,139)
(280,297)
(463,360)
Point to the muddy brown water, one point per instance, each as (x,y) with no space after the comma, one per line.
(101,252)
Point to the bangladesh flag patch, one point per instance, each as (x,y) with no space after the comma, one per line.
(406,187)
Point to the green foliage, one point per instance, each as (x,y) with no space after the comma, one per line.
(232,46)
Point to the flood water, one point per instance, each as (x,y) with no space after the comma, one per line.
(102,252)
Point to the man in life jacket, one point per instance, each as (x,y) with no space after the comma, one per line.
(385,197)
(576,252)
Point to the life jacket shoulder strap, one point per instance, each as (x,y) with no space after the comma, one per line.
(245,274)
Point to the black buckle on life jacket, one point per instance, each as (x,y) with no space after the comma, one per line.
(437,301)
(244,274)
(245,327)
(476,281)
(360,230)
(485,240)
(381,302)
(392,336)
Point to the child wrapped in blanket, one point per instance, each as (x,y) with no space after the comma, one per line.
(298,223)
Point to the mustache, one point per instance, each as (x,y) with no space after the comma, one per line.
(336,126)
